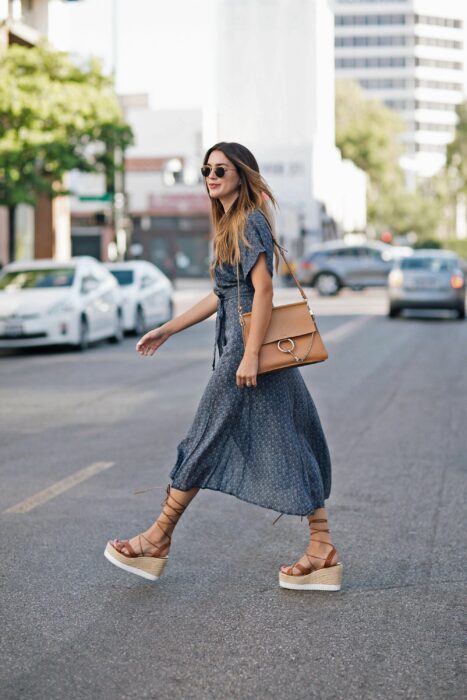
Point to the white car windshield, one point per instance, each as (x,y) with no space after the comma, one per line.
(37,279)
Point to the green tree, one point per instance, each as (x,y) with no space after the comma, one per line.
(368,133)
(456,156)
(55,116)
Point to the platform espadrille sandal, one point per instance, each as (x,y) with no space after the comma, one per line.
(313,578)
(148,566)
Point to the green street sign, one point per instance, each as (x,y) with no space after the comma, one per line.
(107,197)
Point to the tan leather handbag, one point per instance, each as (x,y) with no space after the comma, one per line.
(292,338)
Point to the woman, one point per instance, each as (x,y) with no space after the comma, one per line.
(258,438)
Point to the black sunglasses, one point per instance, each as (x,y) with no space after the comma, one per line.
(219,170)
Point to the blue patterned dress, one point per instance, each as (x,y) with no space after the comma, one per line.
(262,444)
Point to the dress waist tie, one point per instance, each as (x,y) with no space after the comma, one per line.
(220,336)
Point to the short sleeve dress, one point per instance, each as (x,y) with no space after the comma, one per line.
(262,444)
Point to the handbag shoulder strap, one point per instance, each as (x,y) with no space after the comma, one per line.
(286,261)
(291,271)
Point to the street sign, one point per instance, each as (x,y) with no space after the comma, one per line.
(107,197)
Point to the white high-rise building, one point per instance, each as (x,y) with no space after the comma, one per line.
(409,54)
(273,91)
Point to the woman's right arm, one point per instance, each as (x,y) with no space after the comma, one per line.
(149,343)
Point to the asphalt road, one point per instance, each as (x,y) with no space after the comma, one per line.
(392,399)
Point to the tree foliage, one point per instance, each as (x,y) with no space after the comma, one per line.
(368,133)
(456,160)
(55,116)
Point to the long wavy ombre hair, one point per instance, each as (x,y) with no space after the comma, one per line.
(254,193)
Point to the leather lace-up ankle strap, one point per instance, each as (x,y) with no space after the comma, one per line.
(174,514)
(304,571)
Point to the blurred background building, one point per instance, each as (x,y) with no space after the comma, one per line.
(288,123)
(165,198)
(409,54)
(273,90)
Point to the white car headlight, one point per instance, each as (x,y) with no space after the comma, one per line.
(61,307)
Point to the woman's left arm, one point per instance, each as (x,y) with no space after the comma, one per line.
(261,311)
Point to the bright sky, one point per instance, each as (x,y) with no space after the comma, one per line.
(163,45)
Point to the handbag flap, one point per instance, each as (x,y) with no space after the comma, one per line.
(287,321)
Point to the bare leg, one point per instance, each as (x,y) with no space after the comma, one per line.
(318,547)
(160,532)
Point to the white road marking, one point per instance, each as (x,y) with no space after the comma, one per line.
(346,329)
(59,487)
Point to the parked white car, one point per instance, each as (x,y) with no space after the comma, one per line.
(147,294)
(45,302)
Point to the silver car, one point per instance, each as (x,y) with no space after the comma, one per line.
(334,265)
(429,279)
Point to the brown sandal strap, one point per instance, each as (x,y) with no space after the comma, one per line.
(159,547)
(305,570)
(330,556)
(126,543)
(312,567)
(174,517)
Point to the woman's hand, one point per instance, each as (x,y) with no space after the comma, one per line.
(148,344)
(247,370)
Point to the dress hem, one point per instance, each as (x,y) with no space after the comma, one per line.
(246,500)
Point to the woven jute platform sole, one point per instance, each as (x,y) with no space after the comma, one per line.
(327,579)
(146,567)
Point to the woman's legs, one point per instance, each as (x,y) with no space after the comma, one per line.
(160,532)
(319,547)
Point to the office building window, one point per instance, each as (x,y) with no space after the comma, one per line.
(367,2)
(342,41)
(439,21)
(423,126)
(442,43)
(430,148)
(437,106)
(436,63)
(384,83)
(400,105)
(373,62)
(359,20)
(438,85)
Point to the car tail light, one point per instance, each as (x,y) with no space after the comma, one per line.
(308,264)
(457,282)
(396,278)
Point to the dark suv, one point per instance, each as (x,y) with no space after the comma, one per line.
(334,265)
